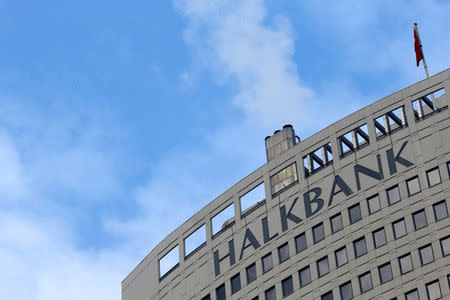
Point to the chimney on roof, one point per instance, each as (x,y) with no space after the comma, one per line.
(280,141)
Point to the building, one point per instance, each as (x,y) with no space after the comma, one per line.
(359,209)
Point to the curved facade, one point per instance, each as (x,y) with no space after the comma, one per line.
(360,209)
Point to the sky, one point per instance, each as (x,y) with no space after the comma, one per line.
(120,120)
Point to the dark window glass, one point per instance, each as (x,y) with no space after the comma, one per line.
(399,228)
(365,282)
(341,256)
(406,263)
(420,219)
(360,247)
(327,296)
(434,290)
(283,252)
(220,292)
(448,280)
(322,266)
(304,276)
(379,237)
(300,242)
(318,233)
(267,263)
(287,286)
(413,186)
(373,203)
(393,195)
(412,295)
(256,298)
(354,213)
(336,223)
(207,297)
(235,283)
(251,273)
(440,210)
(445,246)
(346,291)
(385,272)
(271,294)
(433,176)
(426,254)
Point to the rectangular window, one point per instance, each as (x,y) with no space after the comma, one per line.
(433,290)
(288,286)
(413,185)
(365,282)
(283,252)
(169,262)
(207,297)
(385,272)
(373,203)
(323,267)
(304,276)
(433,177)
(336,223)
(267,263)
(251,273)
(354,213)
(195,241)
(399,228)
(426,254)
(360,247)
(406,264)
(393,195)
(440,210)
(252,199)
(318,233)
(341,256)
(327,296)
(379,237)
(235,283)
(346,291)
(300,242)
(271,294)
(412,295)
(445,246)
(255,298)
(222,220)
(220,292)
(420,219)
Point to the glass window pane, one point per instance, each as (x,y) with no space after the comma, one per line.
(412,295)
(327,296)
(235,283)
(360,247)
(300,242)
(271,294)
(393,195)
(413,186)
(433,177)
(406,264)
(336,223)
(207,297)
(283,252)
(426,254)
(251,273)
(220,292)
(346,291)
(318,233)
(440,210)
(267,262)
(379,237)
(354,213)
(169,261)
(399,228)
(373,203)
(305,276)
(222,220)
(420,219)
(195,240)
(434,290)
(365,282)
(287,286)
(341,257)
(252,198)
(385,272)
(445,246)
(323,266)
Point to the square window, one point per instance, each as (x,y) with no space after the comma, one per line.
(235,283)
(360,247)
(341,256)
(318,233)
(336,223)
(420,219)
(393,195)
(440,210)
(300,242)
(434,290)
(346,291)
(365,282)
(287,286)
(251,273)
(373,203)
(271,294)
(322,266)
(433,177)
(220,292)
(379,237)
(412,295)
(354,213)
(399,228)
(426,254)
(445,246)
(267,263)
(385,272)
(406,263)
(283,252)
(327,296)
(304,276)
(413,185)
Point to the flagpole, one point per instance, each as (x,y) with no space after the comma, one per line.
(423,55)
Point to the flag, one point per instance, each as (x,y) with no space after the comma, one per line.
(417,46)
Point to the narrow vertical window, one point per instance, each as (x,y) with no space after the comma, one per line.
(318,233)
(300,242)
(271,294)
(360,247)
(445,245)
(251,273)
(336,223)
(267,262)
(287,286)
(322,266)
(283,252)
(235,283)
(420,219)
(379,237)
(354,213)
(220,292)
(304,276)
(341,256)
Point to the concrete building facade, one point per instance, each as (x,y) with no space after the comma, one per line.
(358,210)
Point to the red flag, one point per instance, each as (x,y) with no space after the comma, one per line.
(417,47)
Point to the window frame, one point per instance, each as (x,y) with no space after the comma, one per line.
(404,226)
(442,247)
(320,225)
(283,290)
(307,268)
(395,187)
(428,291)
(265,270)
(224,291)
(336,256)
(232,282)
(416,213)
(359,281)
(368,200)
(428,178)
(374,239)
(382,281)
(412,291)
(363,238)
(325,258)
(420,254)
(253,265)
(402,272)
(434,210)
(351,289)
(280,248)
(350,214)
(407,185)
(266,292)
(298,237)
(338,215)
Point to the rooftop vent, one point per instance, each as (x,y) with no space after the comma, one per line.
(280,141)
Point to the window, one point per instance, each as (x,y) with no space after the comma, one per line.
(440,210)
(220,292)
(341,256)
(393,195)
(379,237)
(283,252)
(255,298)
(327,296)
(346,291)
(195,241)
(413,185)
(354,213)
(365,282)
(169,262)
(399,228)
(251,273)
(433,177)
(323,267)
(267,263)
(235,283)
(406,264)
(287,286)
(251,199)
(336,223)
(304,276)
(271,294)
(360,247)
(420,219)
(433,290)
(385,272)
(426,254)
(318,233)
(222,220)
(373,203)
(207,297)
(412,295)
(445,246)
(300,242)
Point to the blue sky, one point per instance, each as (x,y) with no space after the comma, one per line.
(112,114)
